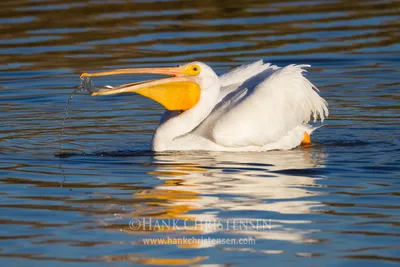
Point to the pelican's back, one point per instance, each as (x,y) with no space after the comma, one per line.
(264,108)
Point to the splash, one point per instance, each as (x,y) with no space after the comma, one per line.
(85,86)
(65,118)
(88,86)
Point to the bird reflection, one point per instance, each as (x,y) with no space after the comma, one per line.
(211,186)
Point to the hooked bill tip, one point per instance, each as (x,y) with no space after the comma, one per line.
(85,74)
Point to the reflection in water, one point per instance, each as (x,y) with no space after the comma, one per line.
(174,31)
(198,187)
(335,203)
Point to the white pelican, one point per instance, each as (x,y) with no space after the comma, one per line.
(255,107)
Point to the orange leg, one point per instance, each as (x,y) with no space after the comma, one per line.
(306,139)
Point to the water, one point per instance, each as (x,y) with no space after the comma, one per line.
(334,203)
(65,118)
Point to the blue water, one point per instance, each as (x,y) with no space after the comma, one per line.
(332,204)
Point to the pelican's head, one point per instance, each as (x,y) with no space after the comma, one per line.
(180,92)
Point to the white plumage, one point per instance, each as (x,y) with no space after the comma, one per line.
(256,107)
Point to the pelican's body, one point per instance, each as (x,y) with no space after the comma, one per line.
(256,107)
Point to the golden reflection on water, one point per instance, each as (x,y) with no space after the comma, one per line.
(91,35)
(353,46)
(190,188)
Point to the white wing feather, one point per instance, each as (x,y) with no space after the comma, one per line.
(244,72)
(231,80)
(271,104)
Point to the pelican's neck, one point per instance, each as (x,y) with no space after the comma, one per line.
(185,122)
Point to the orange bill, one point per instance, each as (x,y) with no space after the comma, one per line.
(179,92)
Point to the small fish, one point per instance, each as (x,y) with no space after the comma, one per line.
(87,85)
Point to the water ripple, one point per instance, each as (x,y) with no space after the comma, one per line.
(334,202)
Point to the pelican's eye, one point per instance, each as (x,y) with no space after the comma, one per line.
(193,70)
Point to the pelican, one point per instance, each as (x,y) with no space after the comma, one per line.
(255,107)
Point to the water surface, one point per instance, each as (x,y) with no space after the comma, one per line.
(334,203)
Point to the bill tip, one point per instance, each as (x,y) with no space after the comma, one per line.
(85,74)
